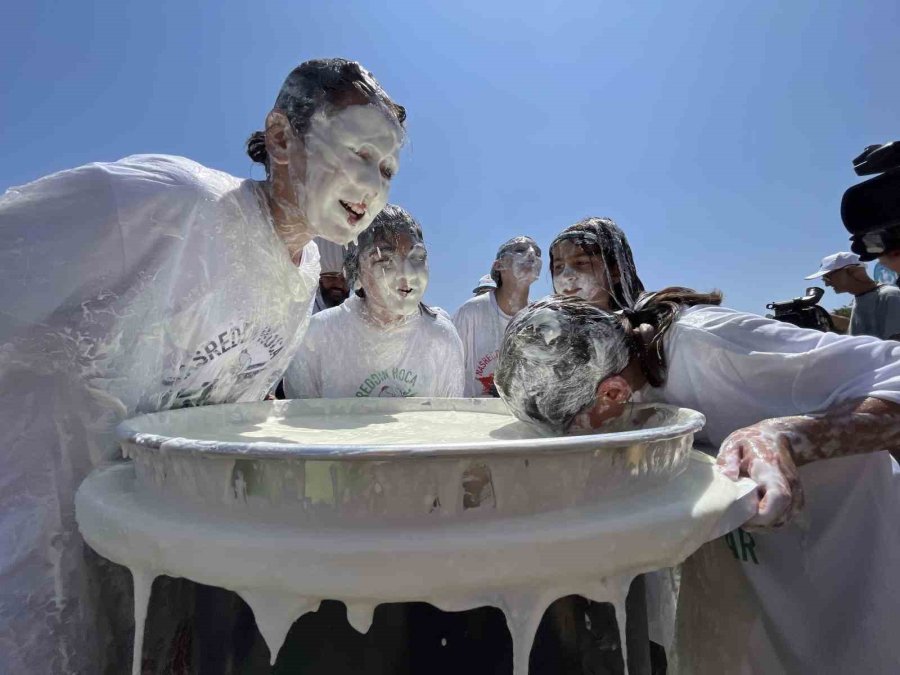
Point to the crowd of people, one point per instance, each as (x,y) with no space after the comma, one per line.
(154,283)
(776,398)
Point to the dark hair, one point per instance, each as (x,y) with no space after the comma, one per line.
(602,237)
(323,82)
(390,223)
(659,309)
(557,350)
(504,248)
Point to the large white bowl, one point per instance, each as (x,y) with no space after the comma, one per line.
(199,456)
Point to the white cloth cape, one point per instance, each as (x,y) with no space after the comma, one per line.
(820,595)
(481,324)
(127,287)
(344,355)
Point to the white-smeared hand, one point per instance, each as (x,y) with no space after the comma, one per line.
(762,452)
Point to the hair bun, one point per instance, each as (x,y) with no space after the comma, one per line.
(256,147)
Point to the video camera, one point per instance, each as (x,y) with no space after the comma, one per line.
(871,209)
(804,312)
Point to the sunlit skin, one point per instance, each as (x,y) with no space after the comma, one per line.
(613,395)
(519,267)
(394,276)
(580,274)
(334,180)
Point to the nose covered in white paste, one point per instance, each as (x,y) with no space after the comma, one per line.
(522,262)
(576,273)
(394,275)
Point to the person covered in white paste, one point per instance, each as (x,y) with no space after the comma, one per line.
(778,400)
(383,341)
(592,260)
(153,283)
(482,319)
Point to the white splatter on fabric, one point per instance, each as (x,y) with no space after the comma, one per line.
(134,286)
(345,355)
(748,600)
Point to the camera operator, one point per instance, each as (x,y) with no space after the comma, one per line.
(876,307)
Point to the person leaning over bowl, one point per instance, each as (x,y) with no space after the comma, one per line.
(778,401)
(153,283)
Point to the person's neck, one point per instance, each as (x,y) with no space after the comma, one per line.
(383,317)
(511,297)
(862,287)
(291,226)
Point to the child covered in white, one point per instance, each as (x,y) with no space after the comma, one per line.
(592,260)
(383,341)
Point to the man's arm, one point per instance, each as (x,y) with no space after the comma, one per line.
(841,323)
(770,451)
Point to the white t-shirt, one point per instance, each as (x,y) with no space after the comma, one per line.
(127,287)
(819,595)
(481,324)
(345,355)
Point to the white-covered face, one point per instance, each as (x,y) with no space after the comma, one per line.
(522,262)
(342,170)
(580,274)
(394,275)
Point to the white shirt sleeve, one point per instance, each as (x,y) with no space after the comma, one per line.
(739,368)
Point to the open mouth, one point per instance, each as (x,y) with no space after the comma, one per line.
(355,211)
(405,292)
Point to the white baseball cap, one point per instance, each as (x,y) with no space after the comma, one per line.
(836,261)
(484,282)
(331,256)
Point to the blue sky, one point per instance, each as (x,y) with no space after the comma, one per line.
(717,134)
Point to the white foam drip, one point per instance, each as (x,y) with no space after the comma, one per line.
(143,583)
(520,565)
(275,613)
(615,591)
(523,613)
(469,554)
(359,615)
